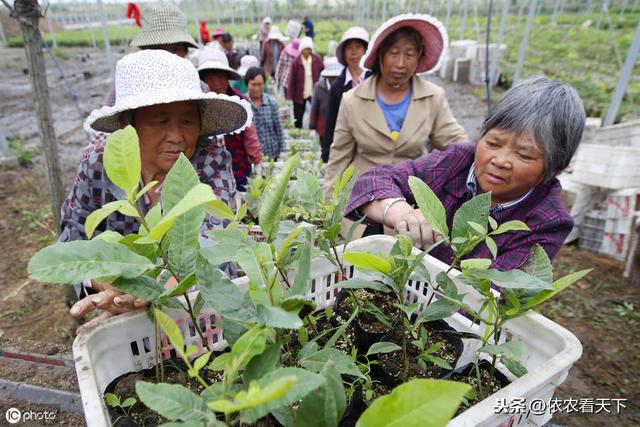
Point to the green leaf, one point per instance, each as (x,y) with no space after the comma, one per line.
(512,349)
(228,243)
(317,360)
(96,217)
(478,263)
(222,295)
(174,402)
(296,303)
(514,279)
(112,400)
(171,330)
(430,205)
(342,192)
(511,226)
(271,204)
(129,402)
(305,384)
(286,244)
(143,287)
(491,244)
(153,217)
(249,345)
(221,362)
(182,287)
(110,236)
(122,160)
(364,284)
(277,317)
(308,190)
(263,363)
(181,178)
(477,227)
(367,261)
(73,262)
(257,263)
(144,189)
(540,264)
(492,223)
(324,408)
(475,210)
(417,403)
(515,367)
(183,242)
(201,361)
(558,286)
(302,282)
(383,347)
(219,209)
(198,195)
(193,423)
(255,395)
(439,309)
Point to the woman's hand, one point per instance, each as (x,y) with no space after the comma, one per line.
(109,299)
(411,223)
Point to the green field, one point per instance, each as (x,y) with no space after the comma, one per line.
(570,50)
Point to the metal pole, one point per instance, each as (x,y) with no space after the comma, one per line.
(448,18)
(623,81)
(624,7)
(603,9)
(384,10)
(523,3)
(218,12)
(503,24)
(5,151)
(374,20)
(525,40)
(4,39)
(556,6)
(89,24)
(463,23)
(50,24)
(105,37)
(197,20)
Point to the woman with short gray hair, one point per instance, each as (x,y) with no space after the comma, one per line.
(528,139)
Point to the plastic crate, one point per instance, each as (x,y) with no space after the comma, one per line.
(126,343)
(592,230)
(623,134)
(614,167)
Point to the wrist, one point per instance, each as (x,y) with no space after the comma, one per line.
(394,208)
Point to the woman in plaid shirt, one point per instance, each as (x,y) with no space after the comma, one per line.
(528,138)
(265,114)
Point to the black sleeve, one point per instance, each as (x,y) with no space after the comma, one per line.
(335,96)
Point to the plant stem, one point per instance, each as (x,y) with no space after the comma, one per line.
(340,266)
(405,357)
(437,287)
(195,323)
(284,276)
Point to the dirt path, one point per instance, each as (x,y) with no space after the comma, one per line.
(602,310)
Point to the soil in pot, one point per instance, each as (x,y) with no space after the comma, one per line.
(490,384)
(369,327)
(175,372)
(389,369)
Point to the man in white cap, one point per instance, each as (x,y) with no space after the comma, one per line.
(305,72)
(320,101)
(245,147)
(265,27)
(271,49)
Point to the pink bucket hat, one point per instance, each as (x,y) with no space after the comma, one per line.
(293,48)
(353,33)
(434,37)
(218,32)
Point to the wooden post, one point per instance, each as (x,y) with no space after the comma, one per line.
(27,13)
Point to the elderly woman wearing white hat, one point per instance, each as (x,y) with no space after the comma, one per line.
(349,52)
(395,115)
(271,50)
(304,73)
(320,100)
(159,94)
(244,147)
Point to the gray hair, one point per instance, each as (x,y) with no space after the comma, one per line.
(550,111)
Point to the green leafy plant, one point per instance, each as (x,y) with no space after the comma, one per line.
(114,401)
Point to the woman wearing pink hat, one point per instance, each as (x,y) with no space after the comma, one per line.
(349,52)
(395,115)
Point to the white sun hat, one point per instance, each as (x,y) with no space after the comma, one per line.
(276,34)
(213,58)
(352,33)
(162,23)
(434,38)
(332,68)
(247,62)
(152,77)
(306,43)
(266,20)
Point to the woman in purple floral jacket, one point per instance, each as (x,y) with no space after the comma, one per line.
(528,138)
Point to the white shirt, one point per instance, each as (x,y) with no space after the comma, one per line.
(349,78)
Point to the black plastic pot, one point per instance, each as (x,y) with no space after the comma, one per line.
(354,409)
(382,374)
(364,338)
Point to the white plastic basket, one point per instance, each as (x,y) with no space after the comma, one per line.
(627,134)
(614,167)
(126,343)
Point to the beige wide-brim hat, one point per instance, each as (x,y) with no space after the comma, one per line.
(434,37)
(152,77)
(352,33)
(162,23)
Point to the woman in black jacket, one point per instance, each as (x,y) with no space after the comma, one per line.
(350,50)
